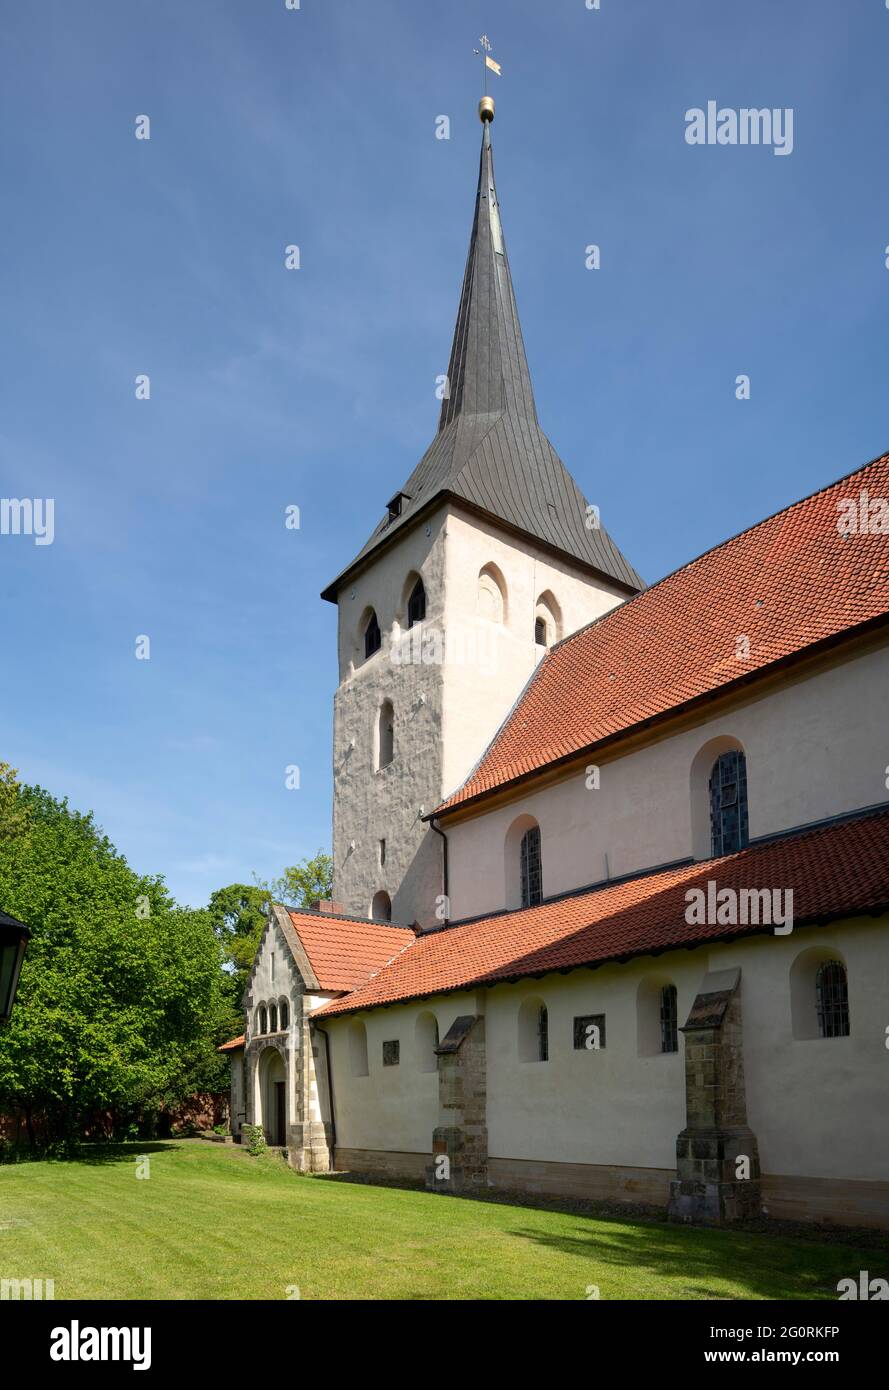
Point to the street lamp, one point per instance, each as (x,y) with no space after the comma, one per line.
(13,940)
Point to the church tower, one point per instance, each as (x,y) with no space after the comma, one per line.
(487,556)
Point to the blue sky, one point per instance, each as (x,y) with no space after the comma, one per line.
(316,387)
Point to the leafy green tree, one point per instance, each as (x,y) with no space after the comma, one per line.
(121,997)
(15,813)
(304,883)
(238,914)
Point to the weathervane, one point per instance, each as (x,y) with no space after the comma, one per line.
(486,105)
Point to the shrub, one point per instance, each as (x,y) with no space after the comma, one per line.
(255,1139)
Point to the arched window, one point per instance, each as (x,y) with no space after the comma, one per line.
(372,637)
(669,1019)
(381,907)
(416,604)
(426,1041)
(491,600)
(263,1019)
(547,620)
(273,1018)
(358,1048)
(284,1019)
(533,1036)
(728,803)
(832,1000)
(531,871)
(385,734)
(542,1034)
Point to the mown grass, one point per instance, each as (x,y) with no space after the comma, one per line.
(212,1223)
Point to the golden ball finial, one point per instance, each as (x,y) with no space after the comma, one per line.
(486,109)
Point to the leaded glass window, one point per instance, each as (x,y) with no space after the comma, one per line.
(728,803)
(532,877)
(669,1019)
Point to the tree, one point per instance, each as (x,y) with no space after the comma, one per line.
(240,911)
(121,997)
(238,915)
(304,883)
(15,812)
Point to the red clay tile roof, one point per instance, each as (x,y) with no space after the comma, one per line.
(233,1045)
(344,951)
(786,584)
(837,870)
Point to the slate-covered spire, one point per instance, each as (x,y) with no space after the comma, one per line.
(488,370)
(490,453)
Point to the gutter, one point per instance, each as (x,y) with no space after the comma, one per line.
(318,1029)
(444,868)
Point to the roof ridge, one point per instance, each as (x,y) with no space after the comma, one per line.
(346,917)
(789,507)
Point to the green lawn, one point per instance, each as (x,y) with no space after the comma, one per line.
(210,1222)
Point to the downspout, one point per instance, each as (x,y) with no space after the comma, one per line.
(444,867)
(318,1029)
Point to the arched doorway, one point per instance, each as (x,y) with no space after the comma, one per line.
(273,1097)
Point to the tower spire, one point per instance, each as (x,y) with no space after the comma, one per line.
(489,452)
(488,370)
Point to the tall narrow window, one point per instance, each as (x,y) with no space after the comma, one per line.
(669,1019)
(532,877)
(273,1018)
(284,1019)
(385,734)
(542,1034)
(416,604)
(832,1000)
(540,631)
(263,1019)
(372,637)
(728,803)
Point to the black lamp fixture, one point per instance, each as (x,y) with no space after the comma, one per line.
(13,940)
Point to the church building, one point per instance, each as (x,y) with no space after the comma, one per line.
(611,862)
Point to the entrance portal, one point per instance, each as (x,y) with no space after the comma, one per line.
(272,1097)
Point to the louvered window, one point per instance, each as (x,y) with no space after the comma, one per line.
(372,637)
(416,604)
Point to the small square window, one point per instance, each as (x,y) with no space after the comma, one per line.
(391,1052)
(589,1033)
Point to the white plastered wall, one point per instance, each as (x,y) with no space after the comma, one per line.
(817,1106)
(815,748)
(451,684)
